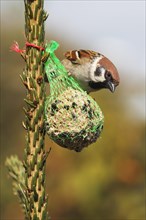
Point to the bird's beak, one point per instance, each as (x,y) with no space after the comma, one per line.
(110,86)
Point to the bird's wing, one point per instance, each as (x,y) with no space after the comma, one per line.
(76,56)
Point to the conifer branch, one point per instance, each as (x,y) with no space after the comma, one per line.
(35,155)
(29,176)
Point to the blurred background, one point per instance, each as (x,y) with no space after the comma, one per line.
(106,180)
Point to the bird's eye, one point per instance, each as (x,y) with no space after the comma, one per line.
(108,75)
(99,71)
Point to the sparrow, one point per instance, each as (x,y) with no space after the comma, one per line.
(92,70)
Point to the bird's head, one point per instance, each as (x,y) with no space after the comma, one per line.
(105,75)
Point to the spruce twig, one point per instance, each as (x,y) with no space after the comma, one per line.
(35,152)
(17,173)
(29,177)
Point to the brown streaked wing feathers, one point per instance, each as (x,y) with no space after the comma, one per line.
(88,53)
(71,55)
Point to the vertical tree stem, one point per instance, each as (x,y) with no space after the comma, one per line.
(33,78)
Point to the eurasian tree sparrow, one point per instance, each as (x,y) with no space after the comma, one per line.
(92,70)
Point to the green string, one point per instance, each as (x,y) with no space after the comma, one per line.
(56,72)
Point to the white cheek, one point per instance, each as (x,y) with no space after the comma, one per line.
(93,68)
(100,78)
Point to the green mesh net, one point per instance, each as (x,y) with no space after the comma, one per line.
(72,118)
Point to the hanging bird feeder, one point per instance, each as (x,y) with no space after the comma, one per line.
(72,118)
